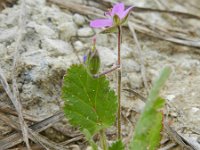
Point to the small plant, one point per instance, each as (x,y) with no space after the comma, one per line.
(92,105)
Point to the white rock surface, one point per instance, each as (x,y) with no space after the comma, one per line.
(108,58)
(67,30)
(85,31)
(79,20)
(78,45)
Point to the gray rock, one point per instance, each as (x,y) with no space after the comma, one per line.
(135,80)
(78,45)
(129,65)
(8,34)
(43,30)
(85,31)
(67,30)
(79,20)
(108,58)
(57,47)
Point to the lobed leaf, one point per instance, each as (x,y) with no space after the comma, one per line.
(148,128)
(118,145)
(89,102)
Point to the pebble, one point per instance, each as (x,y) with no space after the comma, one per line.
(67,30)
(108,58)
(78,45)
(43,30)
(135,80)
(85,31)
(58,47)
(129,65)
(79,20)
(170,97)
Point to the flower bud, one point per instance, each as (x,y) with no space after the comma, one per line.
(92,59)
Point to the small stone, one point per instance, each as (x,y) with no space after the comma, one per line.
(79,20)
(58,47)
(173,114)
(126,51)
(78,45)
(86,31)
(107,57)
(67,30)
(135,80)
(89,148)
(170,97)
(129,65)
(42,29)
(198,139)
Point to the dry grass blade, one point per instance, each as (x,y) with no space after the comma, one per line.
(16,138)
(34,136)
(168,147)
(147,10)
(73,140)
(141,26)
(8,110)
(15,100)
(177,137)
(78,8)
(8,121)
(139,49)
(164,36)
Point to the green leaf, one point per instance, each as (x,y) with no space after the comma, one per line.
(89,102)
(148,128)
(117,146)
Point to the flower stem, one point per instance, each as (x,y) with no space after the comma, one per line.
(119,85)
(103,139)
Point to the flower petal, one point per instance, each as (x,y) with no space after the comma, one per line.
(99,23)
(125,13)
(117,9)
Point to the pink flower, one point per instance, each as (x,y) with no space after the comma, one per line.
(117,10)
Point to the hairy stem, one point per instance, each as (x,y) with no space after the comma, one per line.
(106,72)
(103,140)
(119,84)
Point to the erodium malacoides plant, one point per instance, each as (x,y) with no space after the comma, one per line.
(92,105)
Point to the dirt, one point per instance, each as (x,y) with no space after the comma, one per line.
(54,37)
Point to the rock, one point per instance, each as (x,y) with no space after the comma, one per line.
(135,80)
(8,34)
(129,65)
(43,30)
(89,148)
(102,39)
(67,30)
(79,20)
(78,45)
(57,47)
(126,51)
(36,2)
(108,58)
(85,31)
(171,97)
